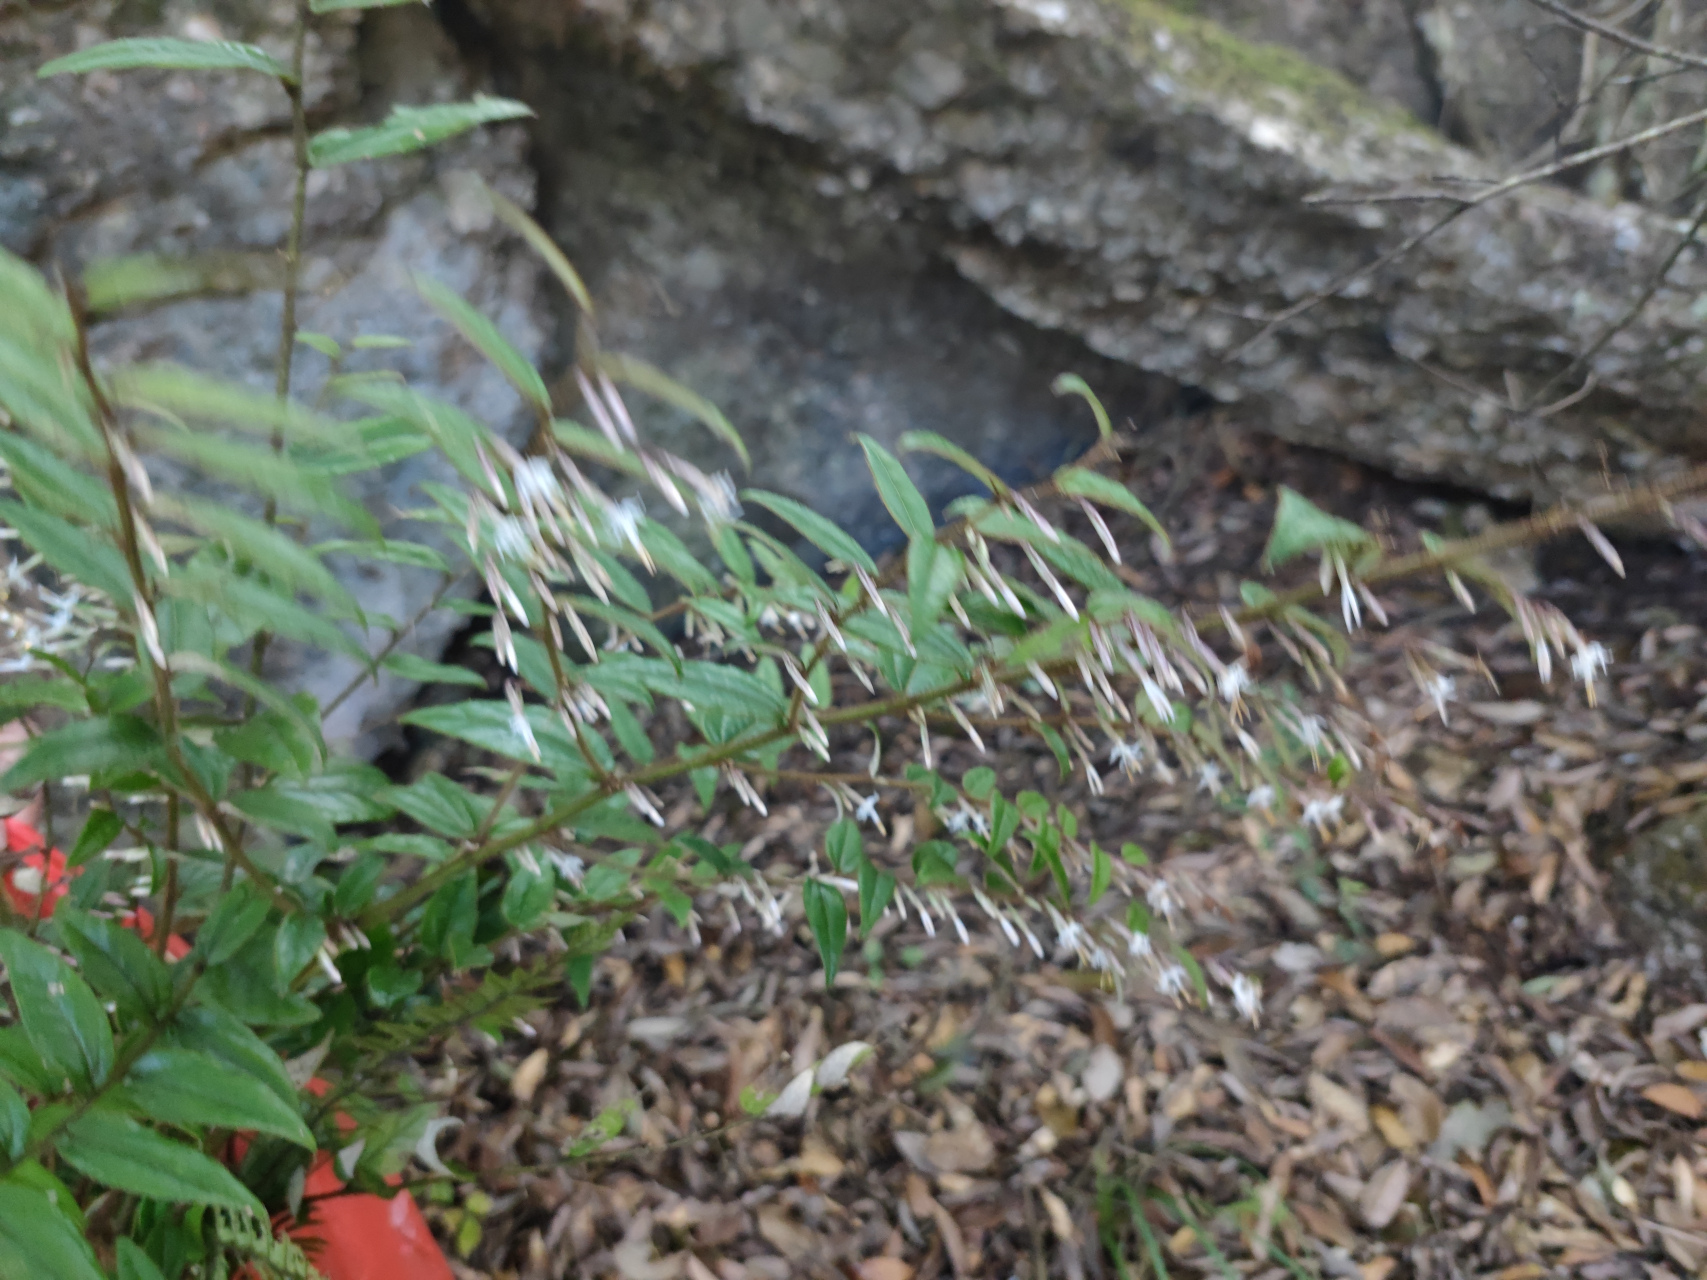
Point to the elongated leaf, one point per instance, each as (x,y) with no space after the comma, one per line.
(256,607)
(38,1241)
(44,399)
(118,1152)
(457,435)
(1081,482)
(14,1122)
(29,692)
(932,443)
(391,550)
(900,495)
(1073,384)
(484,337)
(307,725)
(162,53)
(876,888)
(519,222)
(45,480)
(101,744)
(843,847)
(176,392)
(61,1017)
(634,623)
(80,554)
(177,1086)
(411,667)
(820,532)
(439,804)
(289,565)
(293,484)
(409,129)
(31,311)
(590,444)
(133,1263)
(934,573)
(1300,526)
(491,726)
(217,1033)
(133,279)
(118,965)
(636,373)
(827,916)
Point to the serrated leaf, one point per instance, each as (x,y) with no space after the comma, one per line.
(82,555)
(252,605)
(44,398)
(1300,526)
(293,484)
(177,1086)
(900,495)
(439,804)
(820,532)
(164,53)
(101,744)
(409,129)
(636,373)
(61,1017)
(118,1152)
(43,479)
(1081,482)
(827,916)
(117,964)
(413,667)
(484,337)
(288,564)
(213,1031)
(29,692)
(38,1241)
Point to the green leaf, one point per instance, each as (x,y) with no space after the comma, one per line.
(1300,526)
(447,925)
(213,1031)
(118,1152)
(933,864)
(29,692)
(336,6)
(134,1264)
(1073,384)
(1102,874)
(458,436)
(294,945)
(578,440)
(979,782)
(253,605)
(876,888)
(117,964)
(288,564)
(413,667)
(44,398)
(161,53)
(292,483)
(14,1122)
(655,382)
(934,573)
(415,554)
(409,129)
(43,479)
(932,443)
(827,916)
(844,847)
(38,1241)
(529,894)
(439,804)
(633,623)
(484,337)
(101,744)
(63,1020)
(231,924)
(80,554)
(542,244)
(1081,482)
(900,495)
(174,392)
(110,284)
(491,726)
(177,1086)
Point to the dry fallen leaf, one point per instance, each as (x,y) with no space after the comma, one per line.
(883,1269)
(1384,1193)
(529,1075)
(1676,1098)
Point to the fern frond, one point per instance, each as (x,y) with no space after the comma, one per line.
(496,1001)
(274,1256)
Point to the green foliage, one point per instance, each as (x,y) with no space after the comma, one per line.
(408,129)
(166,54)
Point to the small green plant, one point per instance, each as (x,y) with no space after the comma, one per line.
(337,922)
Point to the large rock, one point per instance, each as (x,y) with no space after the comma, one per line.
(191,163)
(1133,177)
(1658,892)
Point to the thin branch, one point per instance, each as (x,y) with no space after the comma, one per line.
(1503,187)
(1619,36)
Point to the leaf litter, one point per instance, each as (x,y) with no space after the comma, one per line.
(1463,1066)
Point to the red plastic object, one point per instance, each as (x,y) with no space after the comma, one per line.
(348,1237)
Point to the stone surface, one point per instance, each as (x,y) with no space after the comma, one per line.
(1119,172)
(1658,892)
(178,163)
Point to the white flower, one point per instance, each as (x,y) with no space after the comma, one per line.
(1160,896)
(866,811)
(1262,798)
(1233,681)
(622,519)
(1440,690)
(510,539)
(1070,935)
(1589,661)
(536,483)
(1128,755)
(1310,731)
(717,499)
(1171,980)
(1139,945)
(1209,777)
(568,865)
(1320,812)
(965,819)
(1247,997)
